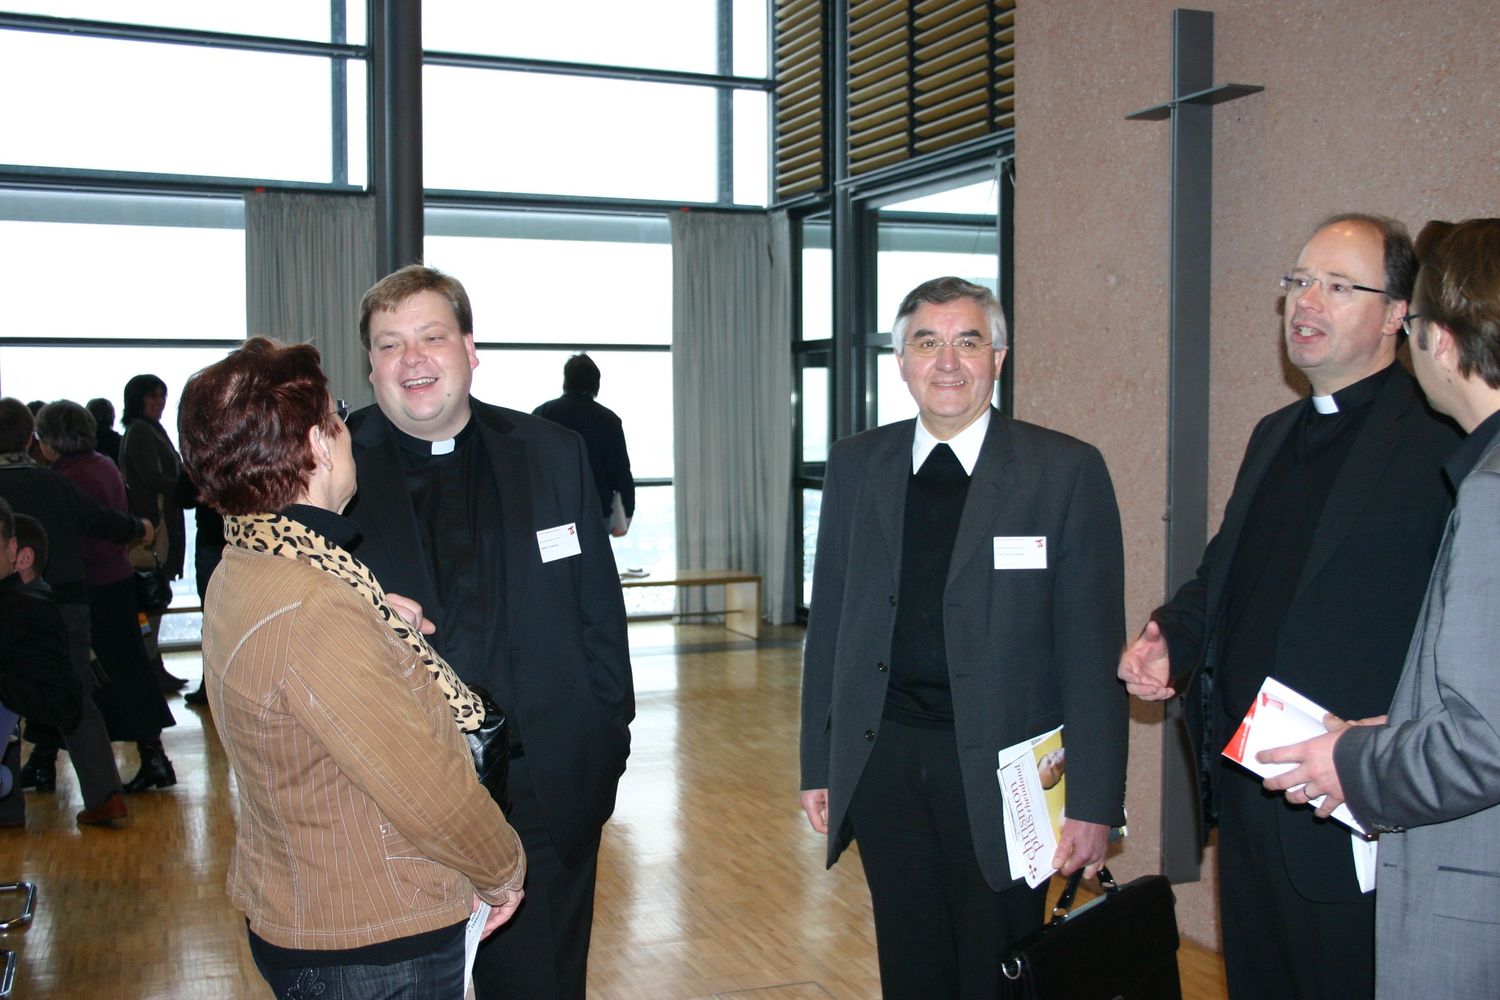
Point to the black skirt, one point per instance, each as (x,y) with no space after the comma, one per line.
(132,704)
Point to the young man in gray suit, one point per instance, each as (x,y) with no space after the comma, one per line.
(1428,777)
(967,595)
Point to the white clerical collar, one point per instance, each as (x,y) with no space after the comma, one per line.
(966,444)
(1325,404)
(444,447)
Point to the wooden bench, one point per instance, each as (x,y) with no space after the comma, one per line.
(741,593)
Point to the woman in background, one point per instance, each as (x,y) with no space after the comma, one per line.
(152,468)
(130,700)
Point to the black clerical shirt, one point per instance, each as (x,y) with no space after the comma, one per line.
(1277,535)
(457,503)
(918,693)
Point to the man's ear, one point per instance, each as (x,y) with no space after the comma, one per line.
(25,557)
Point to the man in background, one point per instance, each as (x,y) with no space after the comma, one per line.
(67,513)
(602,432)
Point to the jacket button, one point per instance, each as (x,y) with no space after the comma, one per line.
(892,599)
(870,735)
(881,667)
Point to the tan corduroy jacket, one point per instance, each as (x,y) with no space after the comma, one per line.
(360,818)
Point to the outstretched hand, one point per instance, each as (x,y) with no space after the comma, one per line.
(1146,665)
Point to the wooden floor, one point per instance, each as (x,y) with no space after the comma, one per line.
(710,882)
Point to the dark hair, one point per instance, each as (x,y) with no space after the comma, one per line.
(243,424)
(389,292)
(103,412)
(940,291)
(29,534)
(1400,260)
(1458,288)
(580,374)
(136,391)
(16,425)
(66,428)
(7,522)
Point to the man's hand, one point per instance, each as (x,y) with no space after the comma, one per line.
(815,804)
(1146,666)
(1315,773)
(1082,846)
(412,612)
(501,913)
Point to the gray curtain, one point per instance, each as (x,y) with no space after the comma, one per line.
(732,379)
(308,259)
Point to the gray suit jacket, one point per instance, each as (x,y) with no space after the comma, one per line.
(1430,779)
(1027,650)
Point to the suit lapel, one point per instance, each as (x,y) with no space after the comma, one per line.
(1367,461)
(887,481)
(385,505)
(508,464)
(989,486)
(1256,465)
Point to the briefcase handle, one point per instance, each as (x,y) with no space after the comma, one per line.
(1065,900)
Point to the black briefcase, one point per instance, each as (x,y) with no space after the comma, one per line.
(1122,944)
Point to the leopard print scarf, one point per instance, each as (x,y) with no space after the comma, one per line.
(282,536)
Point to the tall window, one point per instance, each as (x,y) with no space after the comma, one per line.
(545,286)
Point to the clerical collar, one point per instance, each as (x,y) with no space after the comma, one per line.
(1472,449)
(337,528)
(966,444)
(421,446)
(1355,395)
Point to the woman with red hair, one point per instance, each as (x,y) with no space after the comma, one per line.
(364,838)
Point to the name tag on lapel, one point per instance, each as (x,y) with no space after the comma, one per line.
(1020,551)
(559,542)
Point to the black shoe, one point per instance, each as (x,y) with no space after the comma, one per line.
(39,775)
(197,698)
(156,771)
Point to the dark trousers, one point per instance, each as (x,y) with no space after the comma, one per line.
(1279,945)
(542,951)
(940,930)
(88,742)
(428,977)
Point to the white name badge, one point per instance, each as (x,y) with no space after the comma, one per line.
(559,542)
(1020,551)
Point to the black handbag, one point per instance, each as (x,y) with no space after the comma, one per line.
(1122,944)
(490,747)
(153,587)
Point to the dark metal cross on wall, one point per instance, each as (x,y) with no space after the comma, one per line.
(1190,114)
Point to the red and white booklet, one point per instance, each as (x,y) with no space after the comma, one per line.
(1278,716)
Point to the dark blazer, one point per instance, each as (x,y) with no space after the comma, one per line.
(1350,619)
(566,618)
(37,679)
(605,438)
(1027,650)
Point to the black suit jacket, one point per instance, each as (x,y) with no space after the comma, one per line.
(37,679)
(605,438)
(1027,649)
(566,619)
(1345,634)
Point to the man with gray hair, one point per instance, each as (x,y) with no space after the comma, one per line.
(967,596)
(1314,578)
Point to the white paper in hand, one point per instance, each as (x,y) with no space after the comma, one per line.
(1279,716)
